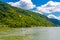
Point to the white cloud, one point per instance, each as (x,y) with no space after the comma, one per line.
(25,4)
(53,16)
(49,7)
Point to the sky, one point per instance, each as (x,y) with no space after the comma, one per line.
(50,8)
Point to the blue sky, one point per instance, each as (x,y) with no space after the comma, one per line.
(37,2)
(10,0)
(40,6)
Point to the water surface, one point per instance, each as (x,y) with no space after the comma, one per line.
(48,33)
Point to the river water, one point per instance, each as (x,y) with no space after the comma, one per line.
(48,33)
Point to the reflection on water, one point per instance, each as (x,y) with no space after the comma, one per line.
(35,33)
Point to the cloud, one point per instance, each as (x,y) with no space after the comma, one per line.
(25,4)
(49,7)
(53,16)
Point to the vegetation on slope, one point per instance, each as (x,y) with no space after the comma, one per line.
(16,17)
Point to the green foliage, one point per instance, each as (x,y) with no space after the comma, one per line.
(17,17)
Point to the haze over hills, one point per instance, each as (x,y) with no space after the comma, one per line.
(16,17)
(55,21)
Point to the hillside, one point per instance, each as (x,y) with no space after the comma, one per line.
(55,21)
(16,17)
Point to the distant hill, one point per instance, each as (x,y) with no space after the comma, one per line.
(55,21)
(16,17)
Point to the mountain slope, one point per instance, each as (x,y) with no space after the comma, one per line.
(55,21)
(16,17)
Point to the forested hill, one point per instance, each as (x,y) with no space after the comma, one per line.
(16,17)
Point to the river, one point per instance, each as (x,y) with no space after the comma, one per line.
(47,33)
